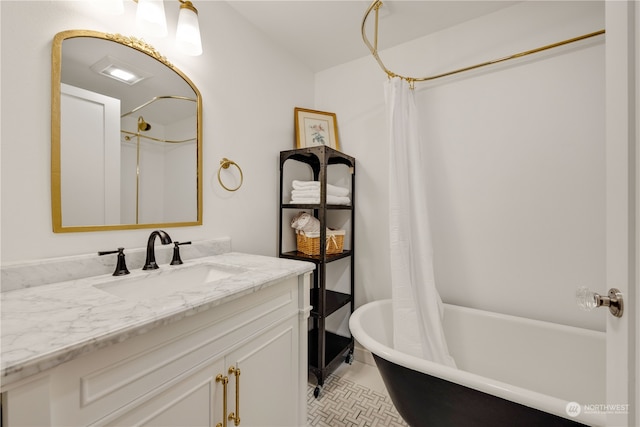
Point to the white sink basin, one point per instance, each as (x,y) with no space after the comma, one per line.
(165,281)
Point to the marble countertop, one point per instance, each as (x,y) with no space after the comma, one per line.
(48,325)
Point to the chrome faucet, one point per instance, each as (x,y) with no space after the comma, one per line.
(150,262)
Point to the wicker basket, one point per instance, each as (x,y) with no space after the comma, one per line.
(309,243)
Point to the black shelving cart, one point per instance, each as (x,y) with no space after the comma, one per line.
(326,349)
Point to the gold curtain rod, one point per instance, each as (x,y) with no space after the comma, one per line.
(170,141)
(157,98)
(376,4)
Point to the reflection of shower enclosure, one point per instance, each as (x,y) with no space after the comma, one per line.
(159,163)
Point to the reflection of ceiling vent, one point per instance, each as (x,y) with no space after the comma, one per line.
(118,70)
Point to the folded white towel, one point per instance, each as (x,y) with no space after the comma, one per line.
(305,193)
(304,200)
(332,200)
(333,190)
(305,185)
(338,200)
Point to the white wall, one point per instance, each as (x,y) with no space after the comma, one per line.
(515,160)
(249,89)
(495,248)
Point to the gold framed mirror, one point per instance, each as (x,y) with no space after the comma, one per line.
(126,136)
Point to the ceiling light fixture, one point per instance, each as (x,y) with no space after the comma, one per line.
(126,73)
(151,21)
(120,74)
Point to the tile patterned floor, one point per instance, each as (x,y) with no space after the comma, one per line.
(344,403)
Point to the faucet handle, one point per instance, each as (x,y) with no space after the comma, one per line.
(176,252)
(121,265)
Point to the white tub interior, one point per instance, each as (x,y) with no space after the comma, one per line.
(555,360)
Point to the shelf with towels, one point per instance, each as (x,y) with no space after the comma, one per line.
(326,349)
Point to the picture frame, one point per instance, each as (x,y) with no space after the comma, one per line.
(315,128)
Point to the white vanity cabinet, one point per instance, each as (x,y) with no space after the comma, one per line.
(173,375)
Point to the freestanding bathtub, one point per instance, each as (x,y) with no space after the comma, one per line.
(511,370)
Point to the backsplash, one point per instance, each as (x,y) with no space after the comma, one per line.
(20,275)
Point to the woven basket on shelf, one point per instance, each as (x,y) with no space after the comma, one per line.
(309,243)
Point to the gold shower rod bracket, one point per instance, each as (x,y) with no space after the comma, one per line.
(373,48)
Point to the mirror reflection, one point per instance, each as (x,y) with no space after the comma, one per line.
(126,136)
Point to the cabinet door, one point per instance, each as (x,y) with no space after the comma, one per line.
(194,401)
(269,391)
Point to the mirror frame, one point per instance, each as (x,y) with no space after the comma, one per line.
(56,74)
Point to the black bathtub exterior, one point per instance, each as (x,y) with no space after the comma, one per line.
(427,401)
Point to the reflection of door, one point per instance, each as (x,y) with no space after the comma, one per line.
(89,157)
(622,216)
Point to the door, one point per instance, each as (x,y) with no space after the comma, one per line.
(621,212)
(268,364)
(196,401)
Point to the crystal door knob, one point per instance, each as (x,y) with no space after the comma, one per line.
(588,300)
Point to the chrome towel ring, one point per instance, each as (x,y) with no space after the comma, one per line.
(224,164)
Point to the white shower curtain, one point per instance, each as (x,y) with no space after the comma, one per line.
(417,307)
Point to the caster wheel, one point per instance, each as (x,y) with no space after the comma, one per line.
(349,359)
(316,391)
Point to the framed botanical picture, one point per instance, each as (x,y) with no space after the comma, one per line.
(315,128)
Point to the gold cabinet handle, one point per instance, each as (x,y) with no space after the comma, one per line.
(236,416)
(224,380)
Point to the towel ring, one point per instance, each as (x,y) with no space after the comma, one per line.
(224,164)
